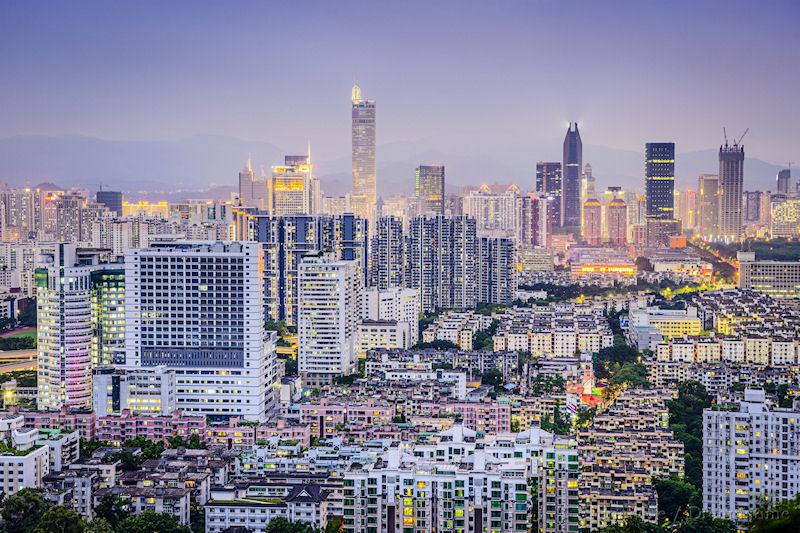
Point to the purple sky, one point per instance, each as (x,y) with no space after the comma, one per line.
(502,75)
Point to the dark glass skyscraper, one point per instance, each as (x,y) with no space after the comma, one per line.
(112,200)
(660,180)
(783,179)
(571,184)
(429,189)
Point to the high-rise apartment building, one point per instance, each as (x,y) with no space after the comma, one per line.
(549,186)
(497,264)
(330,307)
(110,199)
(429,189)
(285,240)
(395,305)
(492,211)
(533,223)
(659,190)
(77,325)
(750,457)
(68,217)
(617,216)
(784,218)
(571,184)
(592,222)
(198,308)
(708,204)
(387,259)
(731,182)
(364,195)
(752,207)
(443,262)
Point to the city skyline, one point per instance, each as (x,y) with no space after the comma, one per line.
(131,98)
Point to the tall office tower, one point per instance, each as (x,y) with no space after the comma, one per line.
(68,217)
(783,179)
(492,211)
(329,310)
(198,308)
(364,170)
(292,188)
(443,262)
(497,265)
(252,191)
(531,215)
(429,189)
(388,254)
(571,184)
(108,314)
(752,207)
(687,208)
(592,212)
(111,199)
(751,457)
(66,317)
(617,214)
(285,240)
(549,185)
(765,209)
(605,199)
(731,181)
(659,190)
(708,204)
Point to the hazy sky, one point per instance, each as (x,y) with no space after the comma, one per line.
(466,75)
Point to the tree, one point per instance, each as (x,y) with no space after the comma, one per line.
(493,378)
(89,446)
(686,422)
(60,519)
(632,524)
(112,509)
(279,326)
(22,511)
(705,523)
(631,375)
(556,423)
(99,525)
(335,525)
(543,384)
(281,525)
(585,415)
(784,516)
(152,522)
(194,442)
(676,498)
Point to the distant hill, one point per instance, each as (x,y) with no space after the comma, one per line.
(207,165)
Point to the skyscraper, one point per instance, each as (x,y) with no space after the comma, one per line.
(592,212)
(783,179)
(112,200)
(198,308)
(429,189)
(617,214)
(365,194)
(571,184)
(708,204)
(660,193)
(548,185)
(292,188)
(752,207)
(731,181)
(498,270)
(252,191)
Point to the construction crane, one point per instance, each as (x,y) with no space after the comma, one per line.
(739,142)
(725,134)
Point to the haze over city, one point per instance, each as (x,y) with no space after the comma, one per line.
(489,85)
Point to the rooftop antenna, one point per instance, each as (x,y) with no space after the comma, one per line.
(739,142)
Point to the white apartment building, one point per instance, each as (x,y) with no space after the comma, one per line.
(24,463)
(149,390)
(329,300)
(198,308)
(751,457)
(398,304)
(383,334)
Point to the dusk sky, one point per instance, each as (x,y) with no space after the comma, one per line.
(466,76)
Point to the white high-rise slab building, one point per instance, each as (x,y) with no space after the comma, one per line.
(198,308)
(395,304)
(329,299)
(751,457)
